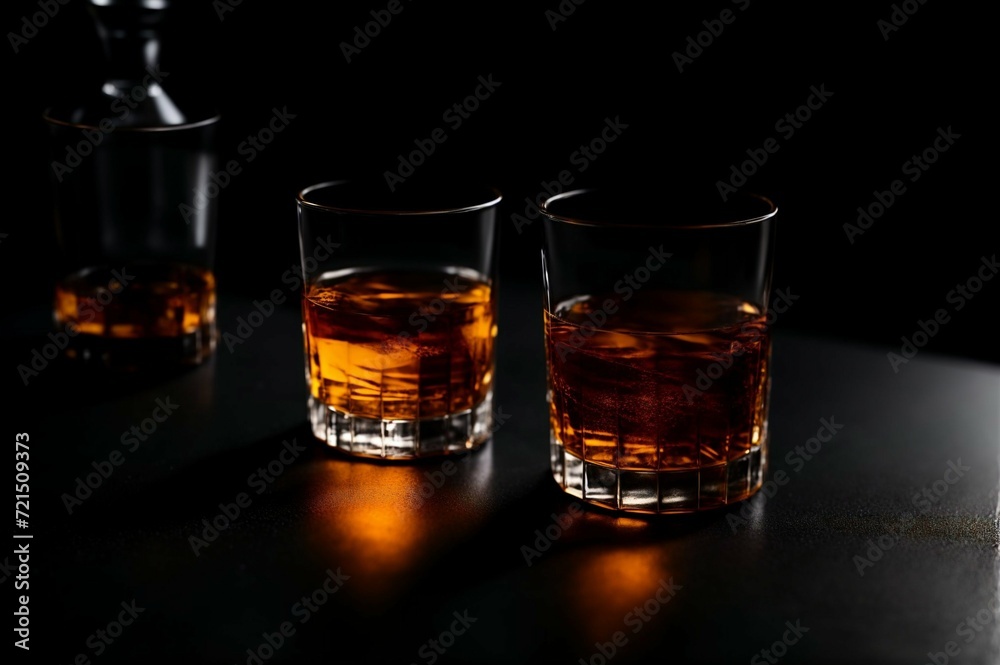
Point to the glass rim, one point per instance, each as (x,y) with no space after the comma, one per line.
(52,120)
(579,220)
(302,198)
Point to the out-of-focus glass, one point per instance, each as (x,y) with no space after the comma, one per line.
(133,170)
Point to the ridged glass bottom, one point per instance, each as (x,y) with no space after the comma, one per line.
(402,439)
(675,491)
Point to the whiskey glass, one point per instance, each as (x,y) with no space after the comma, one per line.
(135,183)
(657,333)
(399,316)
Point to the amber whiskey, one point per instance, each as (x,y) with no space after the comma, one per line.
(139,314)
(661,406)
(393,352)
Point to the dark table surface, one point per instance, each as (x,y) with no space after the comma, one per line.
(407,565)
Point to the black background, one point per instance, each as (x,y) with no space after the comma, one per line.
(557,87)
(608,59)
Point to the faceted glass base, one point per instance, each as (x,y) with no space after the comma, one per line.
(673,491)
(402,439)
